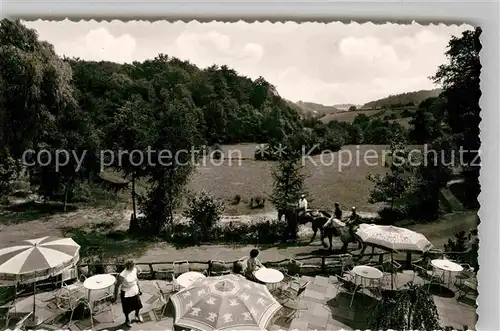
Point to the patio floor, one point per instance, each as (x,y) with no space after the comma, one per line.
(326,310)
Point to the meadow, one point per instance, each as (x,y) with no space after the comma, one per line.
(350,116)
(328,180)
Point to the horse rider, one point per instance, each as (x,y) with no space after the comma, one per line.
(302,206)
(338,212)
(353,218)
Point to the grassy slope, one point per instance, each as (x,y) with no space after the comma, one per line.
(326,182)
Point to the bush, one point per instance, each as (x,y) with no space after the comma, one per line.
(457,244)
(259,232)
(216,152)
(236,199)
(390,216)
(257,202)
(203,212)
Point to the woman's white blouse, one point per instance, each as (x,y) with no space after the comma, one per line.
(129,284)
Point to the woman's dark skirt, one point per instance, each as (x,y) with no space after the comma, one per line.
(131,303)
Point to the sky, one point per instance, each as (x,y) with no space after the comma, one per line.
(324,63)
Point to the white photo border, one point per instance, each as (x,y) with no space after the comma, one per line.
(481,13)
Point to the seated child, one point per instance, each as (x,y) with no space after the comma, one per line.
(253,264)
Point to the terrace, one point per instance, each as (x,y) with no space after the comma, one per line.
(324,305)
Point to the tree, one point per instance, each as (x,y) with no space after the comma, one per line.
(394,187)
(352,108)
(412,308)
(424,127)
(460,79)
(204,212)
(8,172)
(175,131)
(288,182)
(130,132)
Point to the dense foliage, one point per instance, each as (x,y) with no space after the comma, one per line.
(410,309)
(403,99)
(48,104)
(447,125)
(204,211)
(133,111)
(288,183)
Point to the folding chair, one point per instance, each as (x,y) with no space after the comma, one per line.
(162,298)
(347,286)
(392,267)
(291,300)
(71,274)
(466,287)
(21,324)
(179,267)
(11,306)
(72,303)
(465,274)
(426,275)
(102,304)
(347,262)
(218,268)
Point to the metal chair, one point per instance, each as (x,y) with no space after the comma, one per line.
(426,275)
(347,262)
(347,286)
(75,286)
(179,267)
(102,304)
(71,303)
(466,287)
(11,306)
(162,297)
(392,267)
(218,268)
(465,274)
(291,300)
(21,324)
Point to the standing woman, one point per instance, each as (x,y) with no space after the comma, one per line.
(130,292)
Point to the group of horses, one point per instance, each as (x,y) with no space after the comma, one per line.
(318,218)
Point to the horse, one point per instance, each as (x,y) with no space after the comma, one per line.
(346,235)
(317,218)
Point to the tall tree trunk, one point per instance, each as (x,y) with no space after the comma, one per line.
(65,197)
(134,197)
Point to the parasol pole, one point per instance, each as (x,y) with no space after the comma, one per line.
(392,271)
(34,300)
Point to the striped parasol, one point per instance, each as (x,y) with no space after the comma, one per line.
(37,259)
(224,303)
(393,238)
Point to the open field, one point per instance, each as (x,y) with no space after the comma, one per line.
(331,178)
(349,116)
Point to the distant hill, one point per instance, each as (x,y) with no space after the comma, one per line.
(346,106)
(311,108)
(403,99)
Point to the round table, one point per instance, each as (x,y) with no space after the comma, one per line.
(99,282)
(187,278)
(269,276)
(367,272)
(447,266)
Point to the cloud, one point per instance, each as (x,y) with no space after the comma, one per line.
(324,63)
(99,44)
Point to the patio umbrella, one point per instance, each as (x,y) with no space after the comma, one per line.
(37,259)
(393,238)
(224,303)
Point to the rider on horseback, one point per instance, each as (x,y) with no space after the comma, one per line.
(338,212)
(302,206)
